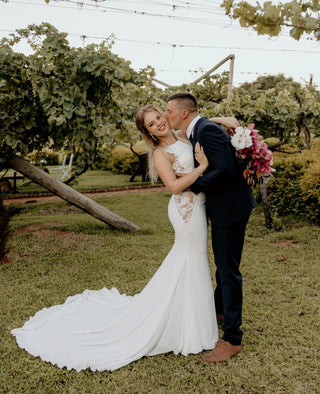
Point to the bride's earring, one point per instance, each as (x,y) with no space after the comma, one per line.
(155,139)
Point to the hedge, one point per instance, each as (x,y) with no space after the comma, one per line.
(294,188)
(123,161)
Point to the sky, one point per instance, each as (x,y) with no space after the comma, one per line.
(181,40)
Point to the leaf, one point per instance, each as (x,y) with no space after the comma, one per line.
(80,111)
(296,33)
(227,5)
(311,23)
(270,19)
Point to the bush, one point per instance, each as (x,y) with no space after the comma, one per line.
(101,161)
(123,161)
(295,186)
(48,158)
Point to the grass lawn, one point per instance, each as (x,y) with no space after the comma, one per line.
(92,179)
(64,251)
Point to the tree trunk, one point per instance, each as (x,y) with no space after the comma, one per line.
(264,197)
(4,232)
(72,196)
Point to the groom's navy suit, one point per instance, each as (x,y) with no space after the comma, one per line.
(229,202)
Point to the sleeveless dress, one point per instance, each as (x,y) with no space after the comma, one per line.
(105,330)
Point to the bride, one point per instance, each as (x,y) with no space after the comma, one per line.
(105,330)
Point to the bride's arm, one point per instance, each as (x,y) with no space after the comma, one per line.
(228,122)
(168,177)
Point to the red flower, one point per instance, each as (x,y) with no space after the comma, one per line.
(256,159)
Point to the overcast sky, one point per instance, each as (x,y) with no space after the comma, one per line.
(180,39)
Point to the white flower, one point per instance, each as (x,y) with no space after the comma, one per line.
(241,138)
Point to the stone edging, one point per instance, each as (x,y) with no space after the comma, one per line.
(112,189)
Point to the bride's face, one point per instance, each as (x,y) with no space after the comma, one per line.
(156,124)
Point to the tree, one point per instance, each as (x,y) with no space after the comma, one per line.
(4,219)
(209,92)
(270,19)
(278,106)
(61,97)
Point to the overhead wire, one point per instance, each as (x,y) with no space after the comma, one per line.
(177,45)
(98,5)
(210,7)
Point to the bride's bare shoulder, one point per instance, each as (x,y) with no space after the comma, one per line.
(160,155)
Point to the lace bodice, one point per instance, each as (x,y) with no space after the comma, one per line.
(183,153)
(183,164)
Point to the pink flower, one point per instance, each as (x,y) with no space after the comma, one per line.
(252,153)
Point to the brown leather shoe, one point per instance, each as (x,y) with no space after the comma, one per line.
(220,318)
(222,352)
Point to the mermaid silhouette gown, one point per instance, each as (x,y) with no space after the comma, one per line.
(105,330)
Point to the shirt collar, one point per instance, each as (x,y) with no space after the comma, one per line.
(191,125)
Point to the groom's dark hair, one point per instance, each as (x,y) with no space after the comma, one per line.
(188,99)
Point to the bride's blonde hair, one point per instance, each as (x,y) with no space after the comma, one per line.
(152,141)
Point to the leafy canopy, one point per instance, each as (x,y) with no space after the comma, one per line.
(268,18)
(278,106)
(64,97)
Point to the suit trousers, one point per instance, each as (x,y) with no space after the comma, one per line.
(227,245)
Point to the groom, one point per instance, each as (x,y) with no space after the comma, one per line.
(229,202)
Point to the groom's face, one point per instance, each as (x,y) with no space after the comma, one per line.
(174,114)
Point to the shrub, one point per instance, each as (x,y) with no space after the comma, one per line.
(295,186)
(310,182)
(48,158)
(123,161)
(101,161)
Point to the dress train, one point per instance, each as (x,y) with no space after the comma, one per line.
(105,330)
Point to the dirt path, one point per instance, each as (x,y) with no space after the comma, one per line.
(93,193)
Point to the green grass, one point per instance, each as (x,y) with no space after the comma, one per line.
(92,179)
(73,252)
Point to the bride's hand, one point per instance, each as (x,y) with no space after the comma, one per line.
(228,122)
(200,156)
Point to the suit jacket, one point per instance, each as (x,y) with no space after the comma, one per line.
(229,198)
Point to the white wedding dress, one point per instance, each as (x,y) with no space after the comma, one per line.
(105,330)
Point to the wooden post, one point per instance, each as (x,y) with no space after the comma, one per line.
(72,196)
(14,182)
(264,198)
(230,83)
(311,80)
(162,83)
(214,68)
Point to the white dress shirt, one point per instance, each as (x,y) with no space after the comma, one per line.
(191,125)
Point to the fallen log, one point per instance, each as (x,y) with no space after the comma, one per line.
(70,195)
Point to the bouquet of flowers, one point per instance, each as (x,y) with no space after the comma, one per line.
(252,152)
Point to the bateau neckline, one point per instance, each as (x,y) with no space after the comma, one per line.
(167,146)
